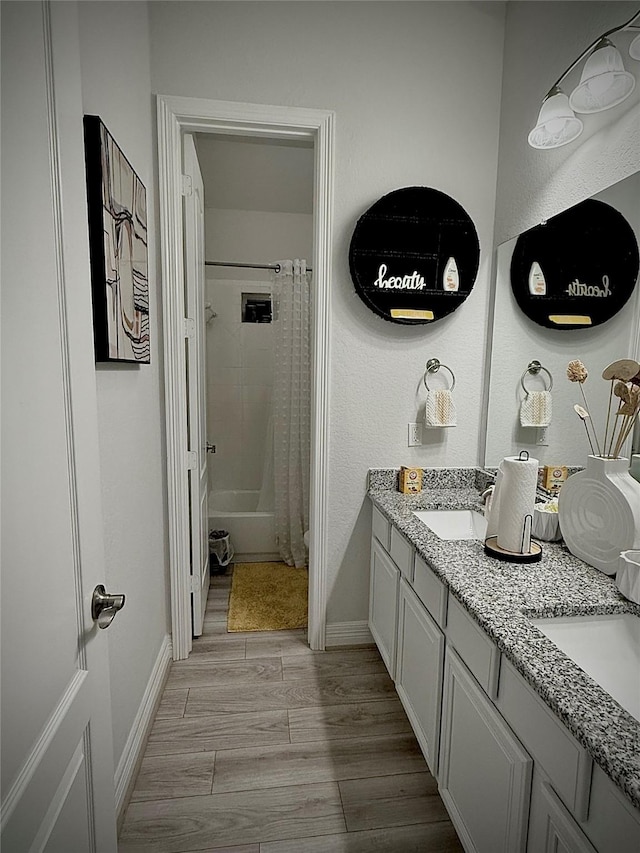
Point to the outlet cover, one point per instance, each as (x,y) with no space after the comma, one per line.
(415,435)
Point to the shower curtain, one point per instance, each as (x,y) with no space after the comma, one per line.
(291,408)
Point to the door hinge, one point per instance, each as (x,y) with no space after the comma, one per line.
(187,185)
(189,327)
(192,460)
(194,583)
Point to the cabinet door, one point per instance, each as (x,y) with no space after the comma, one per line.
(419,670)
(485,774)
(551,828)
(383,604)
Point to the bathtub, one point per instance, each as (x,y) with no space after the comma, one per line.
(252,533)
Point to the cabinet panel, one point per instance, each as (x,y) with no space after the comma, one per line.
(419,671)
(485,774)
(381,528)
(430,590)
(613,824)
(383,604)
(551,828)
(402,553)
(567,764)
(479,653)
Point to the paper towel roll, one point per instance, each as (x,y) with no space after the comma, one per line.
(514,498)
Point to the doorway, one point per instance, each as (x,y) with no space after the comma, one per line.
(177,116)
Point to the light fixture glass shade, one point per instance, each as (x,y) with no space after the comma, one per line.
(634,48)
(604,82)
(556,125)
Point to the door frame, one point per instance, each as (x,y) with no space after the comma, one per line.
(177,115)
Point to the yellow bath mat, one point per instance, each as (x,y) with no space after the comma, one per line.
(267,597)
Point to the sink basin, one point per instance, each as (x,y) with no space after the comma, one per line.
(454,523)
(606,647)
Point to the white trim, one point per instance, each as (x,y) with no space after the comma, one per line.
(133,748)
(177,115)
(348,634)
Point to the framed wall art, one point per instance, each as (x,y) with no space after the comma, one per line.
(577,269)
(414,255)
(117,202)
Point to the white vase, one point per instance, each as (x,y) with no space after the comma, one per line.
(599,512)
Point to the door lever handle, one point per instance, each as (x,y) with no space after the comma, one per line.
(104,606)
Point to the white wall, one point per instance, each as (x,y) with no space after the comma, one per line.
(114,40)
(416,91)
(542,39)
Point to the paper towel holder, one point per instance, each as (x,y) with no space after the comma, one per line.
(492,549)
(533,555)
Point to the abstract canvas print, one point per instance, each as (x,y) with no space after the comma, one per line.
(117,203)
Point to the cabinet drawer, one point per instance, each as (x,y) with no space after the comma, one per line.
(475,648)
(380,528)
(402,554)
(430,590)
(566,763)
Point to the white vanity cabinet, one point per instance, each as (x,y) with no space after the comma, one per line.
(419,671)
(514,779)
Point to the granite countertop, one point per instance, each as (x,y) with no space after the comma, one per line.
(501,595)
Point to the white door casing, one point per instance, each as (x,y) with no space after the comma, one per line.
(178,115)
(57,762)
(193,189)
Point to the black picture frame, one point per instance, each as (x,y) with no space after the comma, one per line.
(118,249)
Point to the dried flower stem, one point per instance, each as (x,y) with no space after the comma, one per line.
(586,405)
(606,429)
(625,430)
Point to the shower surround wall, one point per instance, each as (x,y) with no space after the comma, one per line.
(239,382)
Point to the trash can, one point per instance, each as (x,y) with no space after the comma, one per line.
(220,550)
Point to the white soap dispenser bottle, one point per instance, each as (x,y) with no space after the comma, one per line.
(537,283)
(450,279)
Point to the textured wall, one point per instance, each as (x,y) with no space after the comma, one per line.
(416,91)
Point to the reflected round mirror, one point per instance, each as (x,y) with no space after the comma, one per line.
(516,341)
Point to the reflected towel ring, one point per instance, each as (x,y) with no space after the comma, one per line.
(534,367)
(433,366)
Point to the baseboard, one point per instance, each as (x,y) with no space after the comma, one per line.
(348,634)
(134,747)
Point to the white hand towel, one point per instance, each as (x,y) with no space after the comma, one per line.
(535,410)
(440,410)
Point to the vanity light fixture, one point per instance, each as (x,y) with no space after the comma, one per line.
(604,83)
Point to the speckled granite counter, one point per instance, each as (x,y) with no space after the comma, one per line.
(500,596)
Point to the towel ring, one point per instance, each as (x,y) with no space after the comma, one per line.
(433,366)
(534,367)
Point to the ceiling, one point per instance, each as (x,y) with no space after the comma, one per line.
(242,173)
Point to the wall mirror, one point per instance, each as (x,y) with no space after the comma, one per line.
(516,341)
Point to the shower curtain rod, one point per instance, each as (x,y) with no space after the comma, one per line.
(275,267)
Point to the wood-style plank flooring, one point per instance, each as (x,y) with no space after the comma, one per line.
(262,746)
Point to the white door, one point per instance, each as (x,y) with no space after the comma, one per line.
(57,753)
(196,391)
